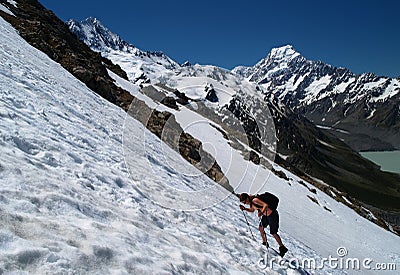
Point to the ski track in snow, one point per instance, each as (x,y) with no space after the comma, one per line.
(69,205)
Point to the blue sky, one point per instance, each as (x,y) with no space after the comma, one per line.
(363,36)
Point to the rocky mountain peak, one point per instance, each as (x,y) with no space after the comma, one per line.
(95,34)
(100,39)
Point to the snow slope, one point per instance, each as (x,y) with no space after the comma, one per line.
(68,203)
(300,217)
(323,226)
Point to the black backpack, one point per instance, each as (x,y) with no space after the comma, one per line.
(269,199)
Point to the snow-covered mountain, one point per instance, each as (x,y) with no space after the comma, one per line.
(99,36)
(361,109)
(301,146)
(144,66)
(69,204)
(155,67)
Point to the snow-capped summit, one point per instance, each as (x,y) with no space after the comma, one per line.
(98,36)
(277,59)
(284,53)
(275,63)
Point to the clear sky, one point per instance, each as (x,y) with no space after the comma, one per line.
(361,35)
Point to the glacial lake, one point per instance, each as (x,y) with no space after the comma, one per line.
(389,161)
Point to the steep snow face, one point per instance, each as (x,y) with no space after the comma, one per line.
(67,202)
(194,79)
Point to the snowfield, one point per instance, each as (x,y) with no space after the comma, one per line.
(71,203)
